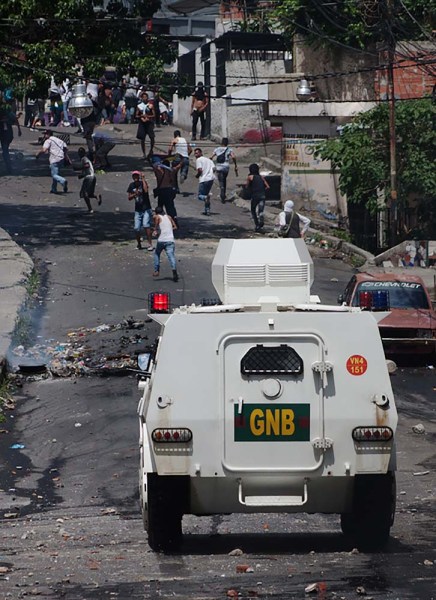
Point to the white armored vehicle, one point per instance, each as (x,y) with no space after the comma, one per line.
(268,402)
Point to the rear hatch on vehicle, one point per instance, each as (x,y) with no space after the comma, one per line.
(273,403)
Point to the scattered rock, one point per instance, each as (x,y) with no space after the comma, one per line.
(236,552)
(244,569)
(361,591)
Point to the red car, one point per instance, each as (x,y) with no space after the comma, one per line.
(411,323)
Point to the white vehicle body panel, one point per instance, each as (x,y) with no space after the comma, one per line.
(267,439)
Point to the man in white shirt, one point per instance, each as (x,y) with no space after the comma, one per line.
(205,174)
(223,154)
(181,149)
(56,149)
(164,227)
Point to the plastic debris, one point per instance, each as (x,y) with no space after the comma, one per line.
(421,473)
(361,591)
(311,588)
(17,446)
(419,428)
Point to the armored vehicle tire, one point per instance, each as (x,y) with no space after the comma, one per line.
(165,503)
(372,515)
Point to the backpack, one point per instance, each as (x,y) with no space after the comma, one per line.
(221,158)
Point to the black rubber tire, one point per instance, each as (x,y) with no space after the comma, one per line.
(372,516)
(164,512)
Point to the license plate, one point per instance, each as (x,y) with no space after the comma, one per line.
(272,423)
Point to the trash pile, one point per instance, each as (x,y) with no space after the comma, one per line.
(101,350)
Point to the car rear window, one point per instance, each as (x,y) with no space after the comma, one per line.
(402,294)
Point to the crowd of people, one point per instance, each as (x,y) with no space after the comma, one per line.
(170,171)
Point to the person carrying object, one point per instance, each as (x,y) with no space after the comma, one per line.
(138,191)
(290,223)
(87,191)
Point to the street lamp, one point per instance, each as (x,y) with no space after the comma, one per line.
(81,105)
(304,92)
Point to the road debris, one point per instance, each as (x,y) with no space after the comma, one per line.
(102,350)
(244,569)
(318,587)
(419,428)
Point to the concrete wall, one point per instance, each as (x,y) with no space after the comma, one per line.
(317,60)
(232,118)
(309,181)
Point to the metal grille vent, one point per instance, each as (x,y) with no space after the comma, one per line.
(246,274)
(271,359)
(288,273)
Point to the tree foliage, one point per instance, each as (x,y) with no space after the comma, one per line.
(362,155)
(41,38)
(356,23)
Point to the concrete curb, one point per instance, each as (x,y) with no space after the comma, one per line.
(15,268)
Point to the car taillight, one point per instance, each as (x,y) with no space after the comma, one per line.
(159,302)
(166,435)
(372,434)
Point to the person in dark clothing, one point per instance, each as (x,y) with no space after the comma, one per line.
(146,117)
(7,119)
(89,180)
(200,101)
(290,223)
(257,187)
(166,188)
(138,191)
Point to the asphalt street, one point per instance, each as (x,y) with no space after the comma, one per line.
(70,526)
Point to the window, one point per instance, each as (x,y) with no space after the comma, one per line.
(262,359)
(402,294)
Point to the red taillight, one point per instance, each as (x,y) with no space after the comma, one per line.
(165,435)
(372,434)
(159,302)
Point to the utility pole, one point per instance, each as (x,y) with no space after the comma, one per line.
(393,205)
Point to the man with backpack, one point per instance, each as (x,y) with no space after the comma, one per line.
(223,154)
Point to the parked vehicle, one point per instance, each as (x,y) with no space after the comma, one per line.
(410,326)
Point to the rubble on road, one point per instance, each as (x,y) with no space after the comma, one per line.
(101,350)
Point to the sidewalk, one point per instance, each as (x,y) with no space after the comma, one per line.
(15,268)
